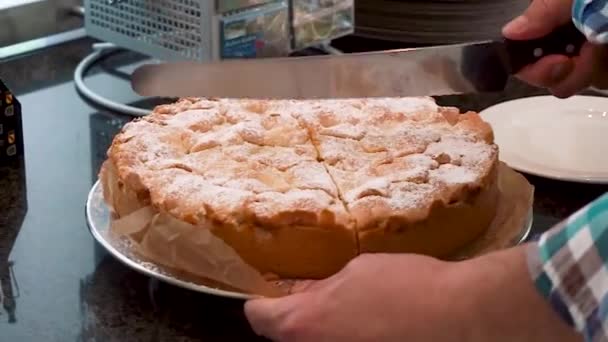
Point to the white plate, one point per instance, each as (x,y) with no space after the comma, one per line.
(563,139)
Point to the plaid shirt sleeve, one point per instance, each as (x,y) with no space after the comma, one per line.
(591,18)
(569,265)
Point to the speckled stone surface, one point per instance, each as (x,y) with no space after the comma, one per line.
(54,65)
(59,285)
(13,208)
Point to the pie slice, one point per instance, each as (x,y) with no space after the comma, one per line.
(421,182)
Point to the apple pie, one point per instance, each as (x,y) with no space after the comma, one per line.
(300,187)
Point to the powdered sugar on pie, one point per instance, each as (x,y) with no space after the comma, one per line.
(327,179)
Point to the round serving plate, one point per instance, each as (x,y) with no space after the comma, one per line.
(561,139)
(98,219)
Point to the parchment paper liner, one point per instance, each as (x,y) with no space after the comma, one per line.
(195,254)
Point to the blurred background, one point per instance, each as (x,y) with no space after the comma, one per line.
(25,20)
(31,24)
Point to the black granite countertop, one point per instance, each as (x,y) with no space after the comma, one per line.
(57,284)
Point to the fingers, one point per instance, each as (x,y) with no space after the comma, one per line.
(548,72)
(333,280)
(273,317)
(581,76)
(309,285)
(539,19)
(304,285)
(267,316)
(563,76)
(600,72)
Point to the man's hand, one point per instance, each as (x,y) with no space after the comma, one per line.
(563,76)
(375,298)
(415,298)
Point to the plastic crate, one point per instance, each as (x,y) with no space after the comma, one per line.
(203,30)
(164,29)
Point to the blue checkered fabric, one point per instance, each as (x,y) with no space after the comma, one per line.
(591,18)
(569,265)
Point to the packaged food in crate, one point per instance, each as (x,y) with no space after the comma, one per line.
(199,30)
(261,31)
(318,21)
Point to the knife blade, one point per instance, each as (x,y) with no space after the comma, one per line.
(439,70)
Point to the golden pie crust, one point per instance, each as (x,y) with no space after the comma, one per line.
(300,187)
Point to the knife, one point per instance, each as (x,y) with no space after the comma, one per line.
(439,70)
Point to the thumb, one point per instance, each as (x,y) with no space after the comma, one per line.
(539,19)
(267,316)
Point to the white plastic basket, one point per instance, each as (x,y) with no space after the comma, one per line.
(204,30)
(164,29)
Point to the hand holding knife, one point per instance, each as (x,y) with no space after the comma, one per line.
(565,76)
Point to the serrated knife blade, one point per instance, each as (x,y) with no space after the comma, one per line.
(440,70)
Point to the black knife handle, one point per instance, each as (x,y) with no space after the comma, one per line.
(566,40)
